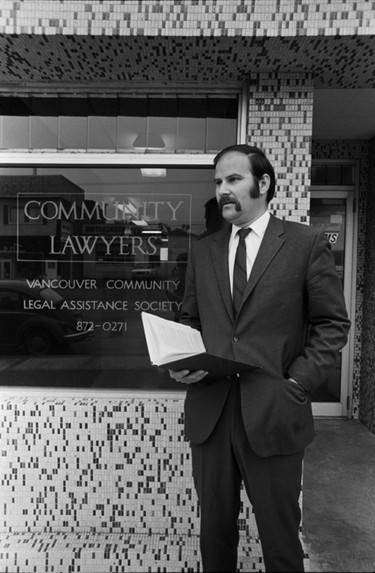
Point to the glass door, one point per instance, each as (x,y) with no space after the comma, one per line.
(333,211)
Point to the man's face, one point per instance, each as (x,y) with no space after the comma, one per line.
(237,189)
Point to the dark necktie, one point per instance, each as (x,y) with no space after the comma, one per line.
(239,272)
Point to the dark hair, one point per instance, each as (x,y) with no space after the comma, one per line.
(259,164)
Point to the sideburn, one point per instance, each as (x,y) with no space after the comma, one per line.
(255,189)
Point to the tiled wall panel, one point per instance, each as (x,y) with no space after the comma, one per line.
(186,40)
(192,17)
(280,122)
(367,388)
(114,553)
(98,465)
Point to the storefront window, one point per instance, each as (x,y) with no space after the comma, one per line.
(169,123)
(84,250)
(91,248)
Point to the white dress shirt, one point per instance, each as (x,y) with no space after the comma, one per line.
(253,241)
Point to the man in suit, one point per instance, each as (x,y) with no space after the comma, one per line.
(291,321)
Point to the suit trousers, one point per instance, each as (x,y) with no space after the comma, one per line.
(273,485)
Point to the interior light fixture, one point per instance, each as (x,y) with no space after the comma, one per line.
(153,172)
(149,141)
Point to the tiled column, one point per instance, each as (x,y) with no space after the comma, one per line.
(280,123)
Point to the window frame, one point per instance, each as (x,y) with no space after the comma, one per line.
(241,91)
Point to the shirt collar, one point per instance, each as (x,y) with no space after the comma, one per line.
(258,226)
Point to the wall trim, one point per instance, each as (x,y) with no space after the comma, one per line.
(9,392)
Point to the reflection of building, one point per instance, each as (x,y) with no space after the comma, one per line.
(50,230)
(128,249)
(125,241)
(27,228)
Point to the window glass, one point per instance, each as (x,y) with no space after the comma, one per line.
(170,123)
(330,216)
(130,129)
(192,123)
(191,134)
(73,123)
(332,174)
(162,133)
(15,132)
(162,123)
(15,122)
(10,300)
(12,214)
(109,243)
(318,175)
(102,132)
(347,175)
(43,132)
(221,123)
(44,123)
(219,132)
(102,126)
(73,133)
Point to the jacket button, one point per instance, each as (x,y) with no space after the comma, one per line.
(235,338)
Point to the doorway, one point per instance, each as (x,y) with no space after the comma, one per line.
(334,212)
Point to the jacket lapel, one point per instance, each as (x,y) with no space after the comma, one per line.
(219,252)
(271,244)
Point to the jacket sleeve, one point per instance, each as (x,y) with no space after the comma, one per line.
(189,309)
(328,322)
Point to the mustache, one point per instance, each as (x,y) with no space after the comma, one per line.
(226,200)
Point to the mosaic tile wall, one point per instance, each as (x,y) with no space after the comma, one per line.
(367,389)
(200,40)
(358,150)
(102,485)
(153,17)
(115,553)
(98,465)
(280,122)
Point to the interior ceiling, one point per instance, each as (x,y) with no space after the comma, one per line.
(343,68)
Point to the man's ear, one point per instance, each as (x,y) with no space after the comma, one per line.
(264,184)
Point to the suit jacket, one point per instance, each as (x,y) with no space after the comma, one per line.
(292,323)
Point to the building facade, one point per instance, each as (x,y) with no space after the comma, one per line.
(129,101)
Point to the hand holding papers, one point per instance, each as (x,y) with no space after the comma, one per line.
(177,346)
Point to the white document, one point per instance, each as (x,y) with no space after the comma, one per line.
(168,341)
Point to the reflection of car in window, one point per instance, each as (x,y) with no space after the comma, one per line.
(143,272)
(32,320)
